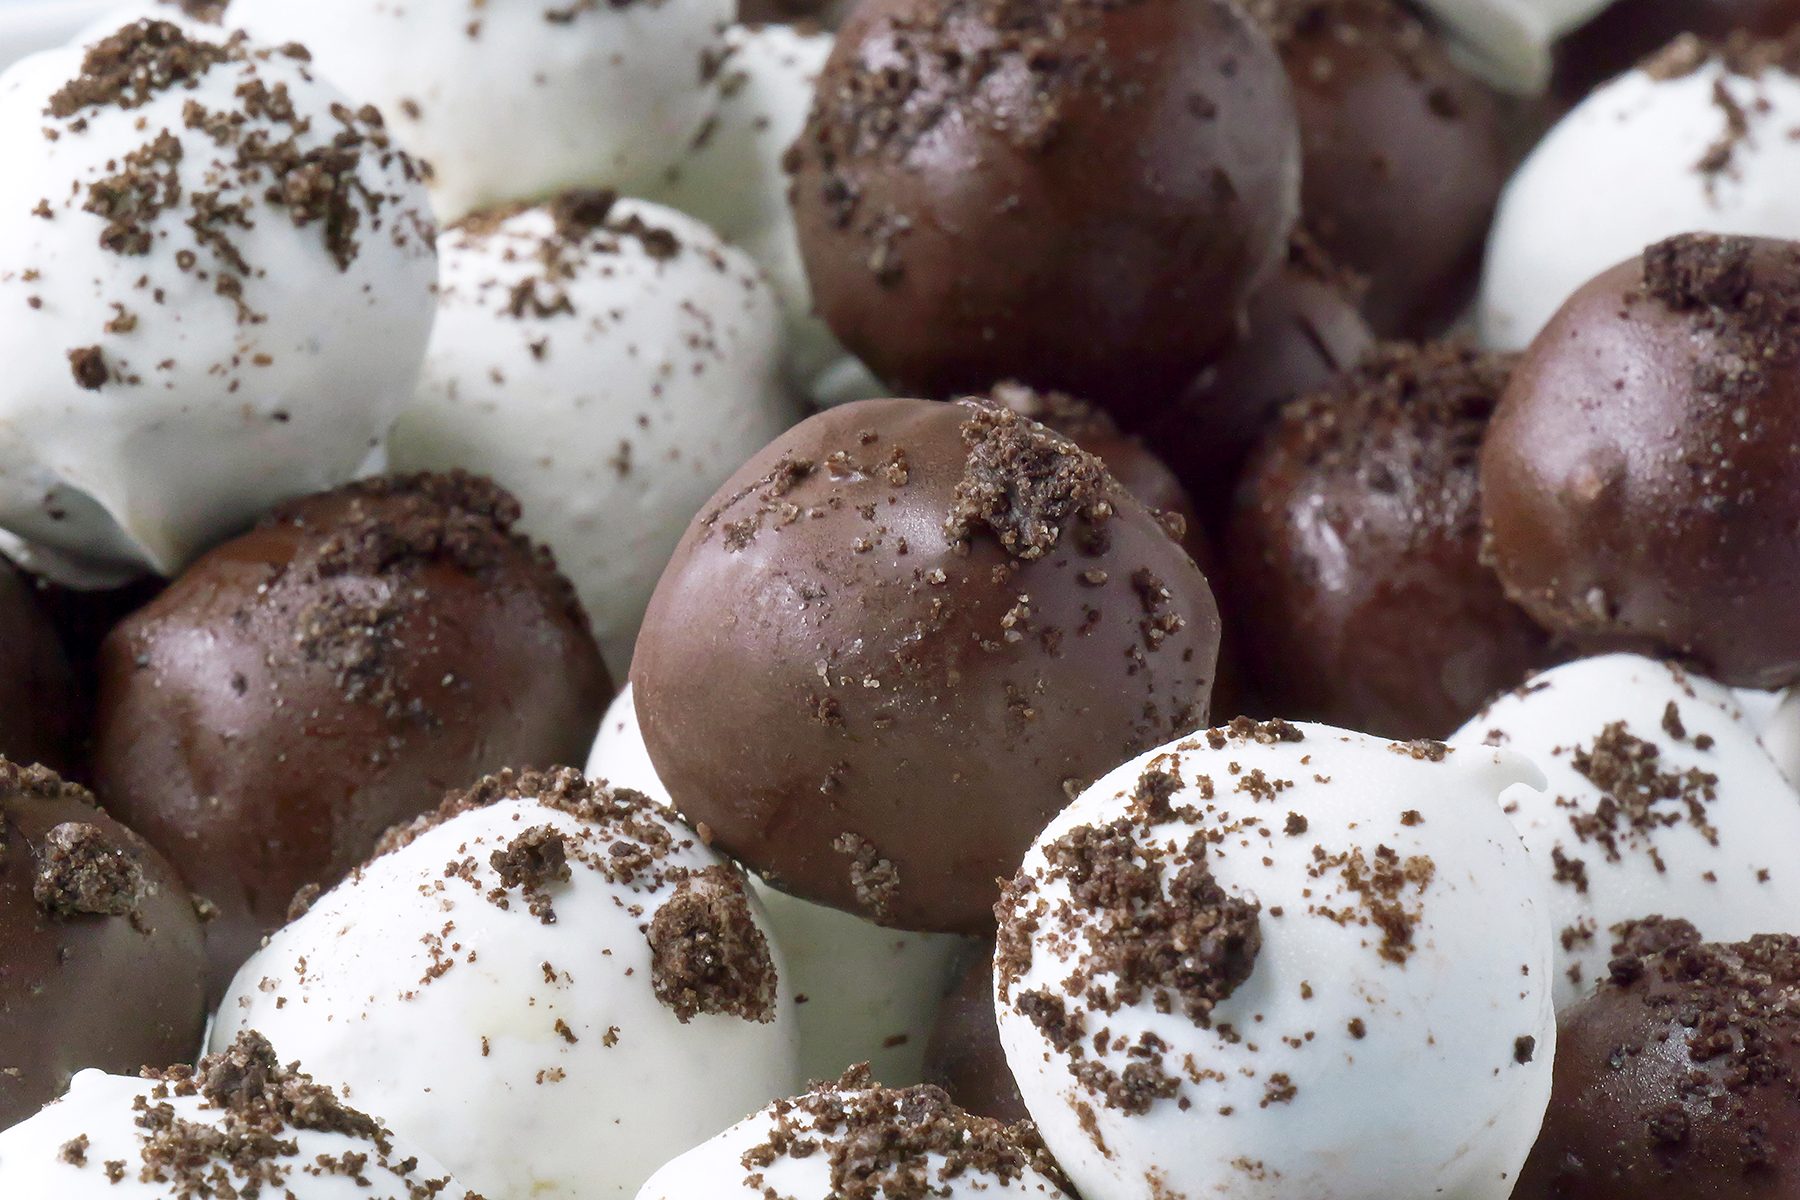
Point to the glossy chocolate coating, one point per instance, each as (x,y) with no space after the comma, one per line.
(1355,551)
(1405,154)
(1640,482)
(1676,1080)
(332,673)
(101,958)
(852,684)
(1082,202)
(964,1056)
(1304,329)
(1632,30)
(40,715)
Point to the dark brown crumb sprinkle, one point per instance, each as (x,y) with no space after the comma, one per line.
(82,870)
(1386,889)
(1023,483)
(1263,733)
(1524,1049)
(307,896)
(1699,271)
(1743,299)
(1652,935)
(1733,1009)
(88,365)
(530,863)
(875,880)
(245,1147)
(1638,796)
(894,1144)
(38,783)
(134,66)
(74,1151)
(707,953)
(1296,825)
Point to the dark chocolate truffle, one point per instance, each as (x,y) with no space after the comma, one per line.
(964,1056)
(39,714)
(1405,154)
(1074,193)
(900,639)
(1355,551)
(1639,484)
(1632,30)
(101,958)
(302,688)
(1303,330)
(1678,1079)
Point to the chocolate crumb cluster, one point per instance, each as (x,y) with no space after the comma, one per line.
(892,1143)
(1023,483)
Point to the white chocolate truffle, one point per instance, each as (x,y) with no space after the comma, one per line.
(242,1124)
(871,994)
(732,177)
(1693,148)
(551,987)
(516,99)
(1281,960)
(1512,42)
(609,363)
(1662,802)
(215,291)
(854,1138)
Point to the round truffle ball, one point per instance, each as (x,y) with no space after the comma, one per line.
(1675,1080)
(241,1124)
(1079,196)
(610,362)
(899,639)
(965,1057)
(1403,154)
(871,994)
(1213,960)
(514,99)
(1303,329)
(1661,800)
(552,987)
(1638,478)
(101,959)
(336,671)
(855,1137)
(1632,30)
(217,276)
(40,716)
(1694,140)
(1359,590)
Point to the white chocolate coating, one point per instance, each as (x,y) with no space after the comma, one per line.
(612,395)
(515,99)
(62,1153)
(1707,847)
(732,178)
(872,994)
(182,352)
(1394,1033)
(1622,172)
(1512,41)
(743,1163)
(535,1060)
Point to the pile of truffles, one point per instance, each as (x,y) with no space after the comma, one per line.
(900,600)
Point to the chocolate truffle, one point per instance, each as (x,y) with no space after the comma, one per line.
(1612,43)
(307,685)
(1303,329)
(1355,550)
(1638,482)
(39,714)
(898,641)
(965,1057)
(1404,153)
(101,959)
(1676,1080)
(1078,195)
